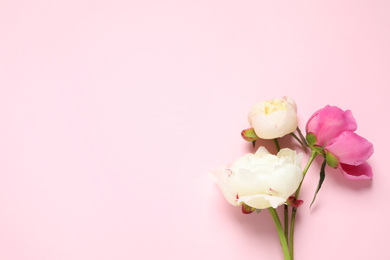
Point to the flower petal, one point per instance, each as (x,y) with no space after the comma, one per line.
(350,148)
(291,102)
(290,156)
(262,201)
(359,172)
(285,180)
(329,122)
(261,152)
(221,177)
(274,118)
(247,182)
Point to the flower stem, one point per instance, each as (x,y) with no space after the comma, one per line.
(283,239)
(286,221)
(277,144)
(294,210)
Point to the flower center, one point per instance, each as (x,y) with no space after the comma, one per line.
(274,105)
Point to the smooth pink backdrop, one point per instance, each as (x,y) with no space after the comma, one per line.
(113,112)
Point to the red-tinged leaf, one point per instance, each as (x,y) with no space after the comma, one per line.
(249,135)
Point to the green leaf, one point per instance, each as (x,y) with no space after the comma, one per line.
(258,210)
(322,178)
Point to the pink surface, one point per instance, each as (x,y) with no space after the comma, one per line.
(113,113)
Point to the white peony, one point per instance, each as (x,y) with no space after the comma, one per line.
(274,118)
(261,180)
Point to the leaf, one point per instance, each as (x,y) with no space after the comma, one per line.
(322,178)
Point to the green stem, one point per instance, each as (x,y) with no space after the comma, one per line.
(286,221)
(294,210)
(293,213)
(311,159)
(285,205)
(302,137)
(283,239)
(277,144)
(304,146)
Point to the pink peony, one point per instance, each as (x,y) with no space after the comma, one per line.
(334,129)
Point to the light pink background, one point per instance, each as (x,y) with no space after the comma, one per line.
(113,112)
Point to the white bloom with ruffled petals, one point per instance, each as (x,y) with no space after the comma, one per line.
(261,180)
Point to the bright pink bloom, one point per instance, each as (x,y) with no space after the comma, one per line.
(334,130)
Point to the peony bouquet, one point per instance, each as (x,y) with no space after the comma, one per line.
(266,181)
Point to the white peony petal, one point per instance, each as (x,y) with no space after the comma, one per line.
(261,152)
(221,176)
(274,118)
(261,201)
(247,182)
(285,179)
(287,154)
(290,102)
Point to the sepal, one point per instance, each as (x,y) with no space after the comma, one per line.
(331,160)
(311,139)
(292,201)
(247,209)
(249,135)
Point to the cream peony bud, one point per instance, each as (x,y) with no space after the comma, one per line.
(261,180)
(274,118)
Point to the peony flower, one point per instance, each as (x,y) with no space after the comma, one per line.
(333,129)
(261,180)
(274,118)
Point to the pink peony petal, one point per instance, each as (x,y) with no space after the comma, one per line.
(359,172)
(350,148)
(329,122)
